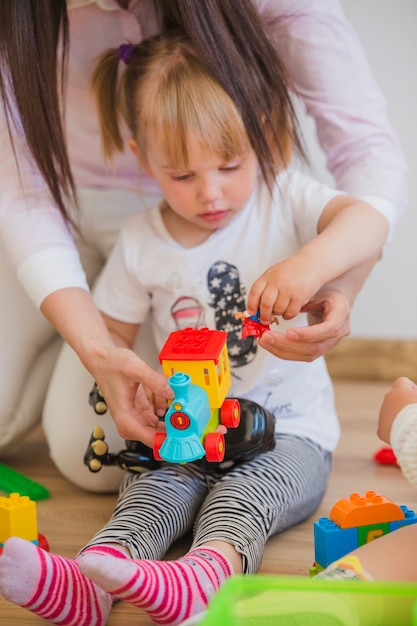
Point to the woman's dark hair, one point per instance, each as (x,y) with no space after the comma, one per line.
(228,35)
(29,35)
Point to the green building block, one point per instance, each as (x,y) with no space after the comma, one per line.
(372,531)
(14,482)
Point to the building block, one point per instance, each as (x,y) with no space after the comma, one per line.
(14,482)
(409,518)
(332,542)
(18,518)
(357,510)
(193,345)
(202,355)
(354,521)
(369,532)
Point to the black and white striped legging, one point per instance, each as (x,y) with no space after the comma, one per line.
(243,506)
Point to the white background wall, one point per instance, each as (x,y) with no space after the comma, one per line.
(387,306)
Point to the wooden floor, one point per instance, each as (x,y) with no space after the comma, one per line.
(70,516)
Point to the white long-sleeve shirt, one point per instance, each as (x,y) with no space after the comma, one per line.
(330,72)
(150,274)
(404,441)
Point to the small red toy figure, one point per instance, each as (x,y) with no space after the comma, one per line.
(252,325)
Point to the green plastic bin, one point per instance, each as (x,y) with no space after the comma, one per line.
(261,600)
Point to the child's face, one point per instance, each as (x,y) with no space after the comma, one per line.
(211,192)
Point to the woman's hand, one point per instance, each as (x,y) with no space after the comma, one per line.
(402,393)
(118,371)
(328,323)
(328,319)
(121,376)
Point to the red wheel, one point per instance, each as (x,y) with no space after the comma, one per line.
(230,413)
(214,447)
(157,443)
(43,542)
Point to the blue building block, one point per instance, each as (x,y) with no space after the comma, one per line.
(332,542)
(409,518)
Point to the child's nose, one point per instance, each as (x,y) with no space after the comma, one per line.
(208,191)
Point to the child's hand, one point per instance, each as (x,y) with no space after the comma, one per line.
(402,393)
(283,289)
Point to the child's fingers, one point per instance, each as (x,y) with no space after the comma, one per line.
(255,294)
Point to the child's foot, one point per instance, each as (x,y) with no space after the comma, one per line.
(169,591)
(50,586)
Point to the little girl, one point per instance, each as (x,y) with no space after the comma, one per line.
(222,241)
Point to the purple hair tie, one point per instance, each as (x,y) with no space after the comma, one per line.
(125,51)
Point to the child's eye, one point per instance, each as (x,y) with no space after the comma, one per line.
(230,167)
(181,177)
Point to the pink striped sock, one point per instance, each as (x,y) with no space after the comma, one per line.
(50,586)
(105,550)
(169,591)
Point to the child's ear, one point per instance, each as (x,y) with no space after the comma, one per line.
(134,148)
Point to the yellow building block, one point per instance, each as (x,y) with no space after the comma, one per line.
(18,518)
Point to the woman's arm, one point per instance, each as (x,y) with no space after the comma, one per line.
(117,371)
(47,263)
(339,246)
(334,80)
(332,76)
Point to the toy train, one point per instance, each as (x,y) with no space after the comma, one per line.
(197,364)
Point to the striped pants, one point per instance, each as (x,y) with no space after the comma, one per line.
(243,506)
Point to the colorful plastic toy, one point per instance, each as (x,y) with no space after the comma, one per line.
(97,401)
(12,481)
(385,456)
(18,519)
(252,325)
(137,457)
(255,434)
(301,601)
(197,364)
(354,521)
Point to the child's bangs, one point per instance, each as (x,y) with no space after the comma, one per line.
(203,111)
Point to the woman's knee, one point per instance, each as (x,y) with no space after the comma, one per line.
(27,355)
(23,394)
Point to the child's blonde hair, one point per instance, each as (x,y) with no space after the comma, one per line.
(166,94)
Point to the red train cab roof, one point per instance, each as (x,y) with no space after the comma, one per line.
(191,344)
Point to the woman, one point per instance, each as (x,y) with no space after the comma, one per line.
(44,272)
